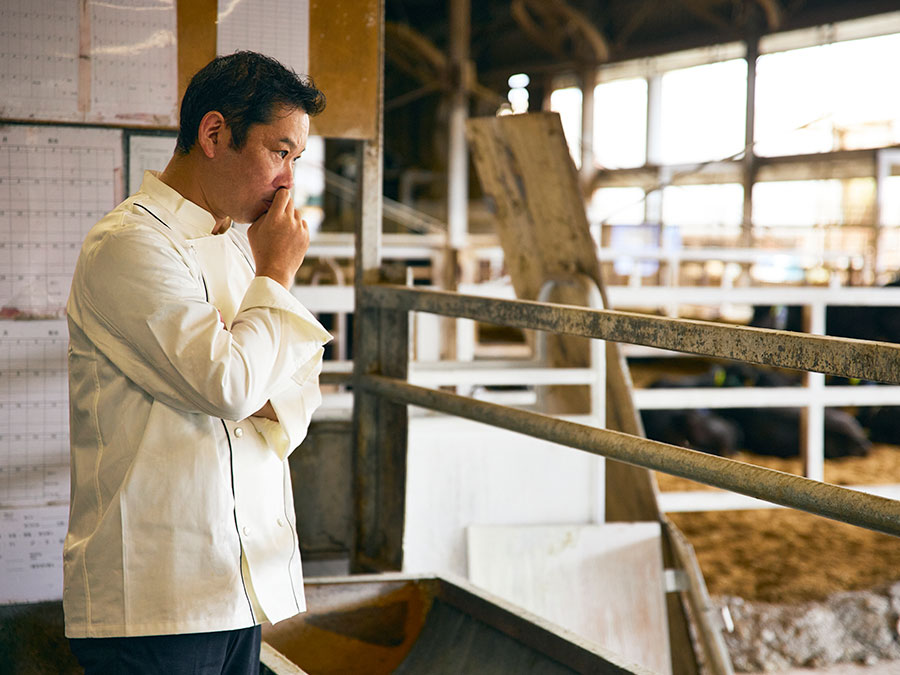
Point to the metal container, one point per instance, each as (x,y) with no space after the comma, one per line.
(395,623)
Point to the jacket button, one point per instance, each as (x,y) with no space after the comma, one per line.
(238,432)
(246,531)
(280,522)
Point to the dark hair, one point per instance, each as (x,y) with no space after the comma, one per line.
(246,88)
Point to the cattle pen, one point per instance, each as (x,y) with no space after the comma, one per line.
(823,354)
(382,389)
(469,372)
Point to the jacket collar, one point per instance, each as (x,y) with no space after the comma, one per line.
(191,220)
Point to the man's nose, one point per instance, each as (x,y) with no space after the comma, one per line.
(286,177)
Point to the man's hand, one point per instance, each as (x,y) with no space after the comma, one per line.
(279,239)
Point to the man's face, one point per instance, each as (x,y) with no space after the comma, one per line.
(246,180)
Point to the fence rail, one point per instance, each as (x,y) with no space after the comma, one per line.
(846,357)
(831,501)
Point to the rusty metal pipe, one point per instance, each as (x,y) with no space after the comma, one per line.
(863,359)
(823,499)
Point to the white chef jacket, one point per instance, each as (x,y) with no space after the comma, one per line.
(182,516)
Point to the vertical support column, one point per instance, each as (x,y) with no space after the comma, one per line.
(457,164)
(885,162)
(653,202)
(196,26)
(812,420)
(457,156)
(381,340)
(588,82)
(750,164)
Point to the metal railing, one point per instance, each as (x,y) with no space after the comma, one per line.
(845,357)
(813,396)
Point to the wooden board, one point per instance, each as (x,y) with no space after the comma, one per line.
(602,582)
(196,27)
(344,61)
(526,171)
(528,176)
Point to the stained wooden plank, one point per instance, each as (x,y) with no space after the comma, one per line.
(526,170)
(527,173)
(344,58)
(196,27)
(381,430)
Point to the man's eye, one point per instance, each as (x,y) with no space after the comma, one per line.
(282,153)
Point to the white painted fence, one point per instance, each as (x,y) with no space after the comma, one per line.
(814,396)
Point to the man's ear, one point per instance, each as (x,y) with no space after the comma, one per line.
(212,134)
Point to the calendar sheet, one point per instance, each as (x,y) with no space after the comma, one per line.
(34,413)
(34,459)
(147,152)
(55,183)
(134,61)
(31,542)
(36,81)
(112,62)
(277,28)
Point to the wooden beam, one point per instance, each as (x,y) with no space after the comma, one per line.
(837,165)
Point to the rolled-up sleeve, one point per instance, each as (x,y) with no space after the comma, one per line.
(294,405)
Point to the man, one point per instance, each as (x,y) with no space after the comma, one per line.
(193,373)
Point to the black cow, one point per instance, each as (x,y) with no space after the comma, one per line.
(776,431)
(865,323)
(764,431)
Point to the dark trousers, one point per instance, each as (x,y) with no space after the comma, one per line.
(232,652)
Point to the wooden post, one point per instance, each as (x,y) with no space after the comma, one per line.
(380,346)
(588,82)
(750,163)
(381,439)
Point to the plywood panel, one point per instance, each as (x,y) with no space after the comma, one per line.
(344,62)
(526,171)
(196,39)
(461,473)
(603,582)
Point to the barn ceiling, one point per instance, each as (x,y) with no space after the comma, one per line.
(561,35)
(544,38)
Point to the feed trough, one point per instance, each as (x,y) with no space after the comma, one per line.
(414,624)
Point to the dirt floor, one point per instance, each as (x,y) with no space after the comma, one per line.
(781,555)
(785,556)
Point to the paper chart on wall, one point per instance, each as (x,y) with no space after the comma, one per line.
(55,183)
(277,28)
(112,62)
(147,153)
(34,413)
(39,59)
(31,542)
(134,61)
(34,459)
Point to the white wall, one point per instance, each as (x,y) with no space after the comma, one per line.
(463,473)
